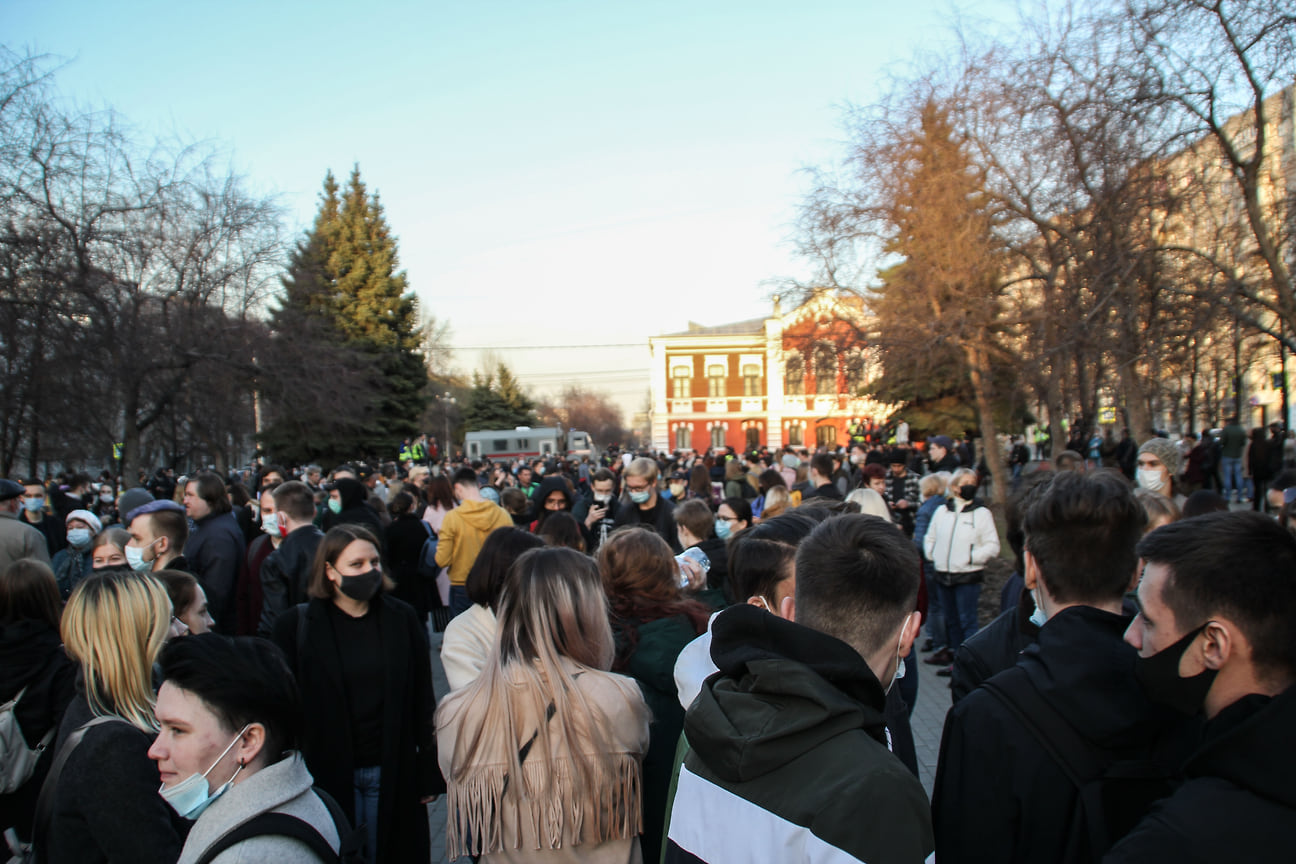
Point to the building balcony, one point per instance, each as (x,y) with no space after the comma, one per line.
(717,406)
(753,405)
(680,406)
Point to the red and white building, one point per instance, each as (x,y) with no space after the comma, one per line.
(786,379)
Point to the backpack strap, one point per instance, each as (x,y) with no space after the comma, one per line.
(1080,760)
(350,841)
(273,825)
(45,800)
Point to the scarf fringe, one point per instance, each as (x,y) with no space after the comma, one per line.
(611,810)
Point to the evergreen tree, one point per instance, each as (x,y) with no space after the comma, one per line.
(497,401)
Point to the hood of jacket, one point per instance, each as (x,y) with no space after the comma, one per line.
(479,514)
(1254,751)
(352,492)
(25,648)
(784,689)
(552,484)
(1080,652)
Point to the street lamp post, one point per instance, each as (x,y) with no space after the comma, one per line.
(445,413)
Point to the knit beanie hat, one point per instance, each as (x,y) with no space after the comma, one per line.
(1165,450)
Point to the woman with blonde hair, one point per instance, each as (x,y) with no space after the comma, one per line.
(777,501)
(547,715)
(870,503)
(105,801)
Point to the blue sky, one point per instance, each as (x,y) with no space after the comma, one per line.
(557,173)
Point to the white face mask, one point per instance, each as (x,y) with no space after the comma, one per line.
(1037,617)
(270,524)
(1151,479)
(191,796)
(900,667)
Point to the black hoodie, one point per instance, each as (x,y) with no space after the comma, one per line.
(1239,801)
(793,727)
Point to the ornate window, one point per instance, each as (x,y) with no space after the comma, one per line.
(794,435)
(682,441)
(794,375)
(825,370)
(715,381)
(717,436)
(751,380)
(854,372)
(753,438)
(681,381)
(826,436)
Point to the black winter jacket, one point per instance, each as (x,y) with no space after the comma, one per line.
(628,513)
(1239,801)
(999,797)
(284,575)
(994,648)
(788,740)
(218,554)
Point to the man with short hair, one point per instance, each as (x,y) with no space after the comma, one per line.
(788,739)
(1233,440)
(1001,793)
(216,547)
(463,531)
(940,454)
(1216,632)
(286,571)
(35,514)
(597,511)
(159,531)
(17,538)
(646,507)
(821,482)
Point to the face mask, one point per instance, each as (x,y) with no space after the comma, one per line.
(640,497)
(967,492)
(79,538)
(335,505)
(270,524)
(722,529)
(1151,479)
(602,500)
(106,497)
(135,558)
(856,459)
(33,505)
(677,489)
(900,669)
(1160,679)
(540,470)
(191,796)
(363,586)
(1037,617)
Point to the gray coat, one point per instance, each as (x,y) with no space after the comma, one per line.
(284,787)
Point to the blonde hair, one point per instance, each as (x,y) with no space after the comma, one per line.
(642,467)
(934,484)
(114,626)
(526,702)
(777,500)
(870,503)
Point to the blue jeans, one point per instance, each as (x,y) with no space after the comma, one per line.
(935,609)
(367,783)
(960,604)
(1231,472)
(459,601)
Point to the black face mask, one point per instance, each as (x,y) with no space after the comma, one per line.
(1160,678)
(363,586)
(967,492)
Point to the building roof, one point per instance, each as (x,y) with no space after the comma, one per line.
(738,328)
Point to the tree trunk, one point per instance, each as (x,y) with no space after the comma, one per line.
(990,449)
(1136,402)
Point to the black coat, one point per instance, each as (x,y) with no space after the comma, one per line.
(409,762)
(32,657)
(405,537)
(1239,801)
(284,575)
(999,797)
(106,806)
(628,513)
(994,648)
(218,555)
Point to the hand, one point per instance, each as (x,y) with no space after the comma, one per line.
(695,574)
(902,504)
(595,514)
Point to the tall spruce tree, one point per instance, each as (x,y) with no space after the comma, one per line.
(348,380)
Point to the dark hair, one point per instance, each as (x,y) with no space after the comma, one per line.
(465,477)
(697,517)
(501,548)
(602,474)
(402,502)
(171,524)
(560,528)
(1015,511)
(700,482)
(514,500)
(1081,529)
(29,591)
(857,577)
(181,587)
(768,479)
(296,499)
(822,464)
(1241,564)
(873,471)
(1203,501)
(211,488)
(439,492)
(330,548)
(239,495)
(740,507)
(242,680)
(759,558)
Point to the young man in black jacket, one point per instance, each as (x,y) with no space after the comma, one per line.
(1000,793)
(1217,633)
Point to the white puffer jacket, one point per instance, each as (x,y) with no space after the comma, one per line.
(961,538)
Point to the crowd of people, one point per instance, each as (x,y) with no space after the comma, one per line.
(651,657)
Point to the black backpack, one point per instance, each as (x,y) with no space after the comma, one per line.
(1114,790)
(283,825)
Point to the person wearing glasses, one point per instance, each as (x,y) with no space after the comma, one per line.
(643,506)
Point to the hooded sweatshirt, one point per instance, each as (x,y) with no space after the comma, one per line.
(788,743)
(462,534)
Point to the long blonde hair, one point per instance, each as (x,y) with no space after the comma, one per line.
(526,702)
(114,626)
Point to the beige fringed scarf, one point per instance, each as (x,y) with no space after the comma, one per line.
(490,812)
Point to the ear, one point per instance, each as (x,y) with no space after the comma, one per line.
(1031,576)
(1219,642)
(760,603)
(909,633)
(787,609)
(251,744)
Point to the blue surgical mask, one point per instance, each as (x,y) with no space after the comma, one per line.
(641,497)
(1037,617)
(79,538)
(34,505)
(135,558)
(722,529)
(191,796)
(335,505)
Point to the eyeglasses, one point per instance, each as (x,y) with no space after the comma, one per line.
(643,488)
(729,518)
